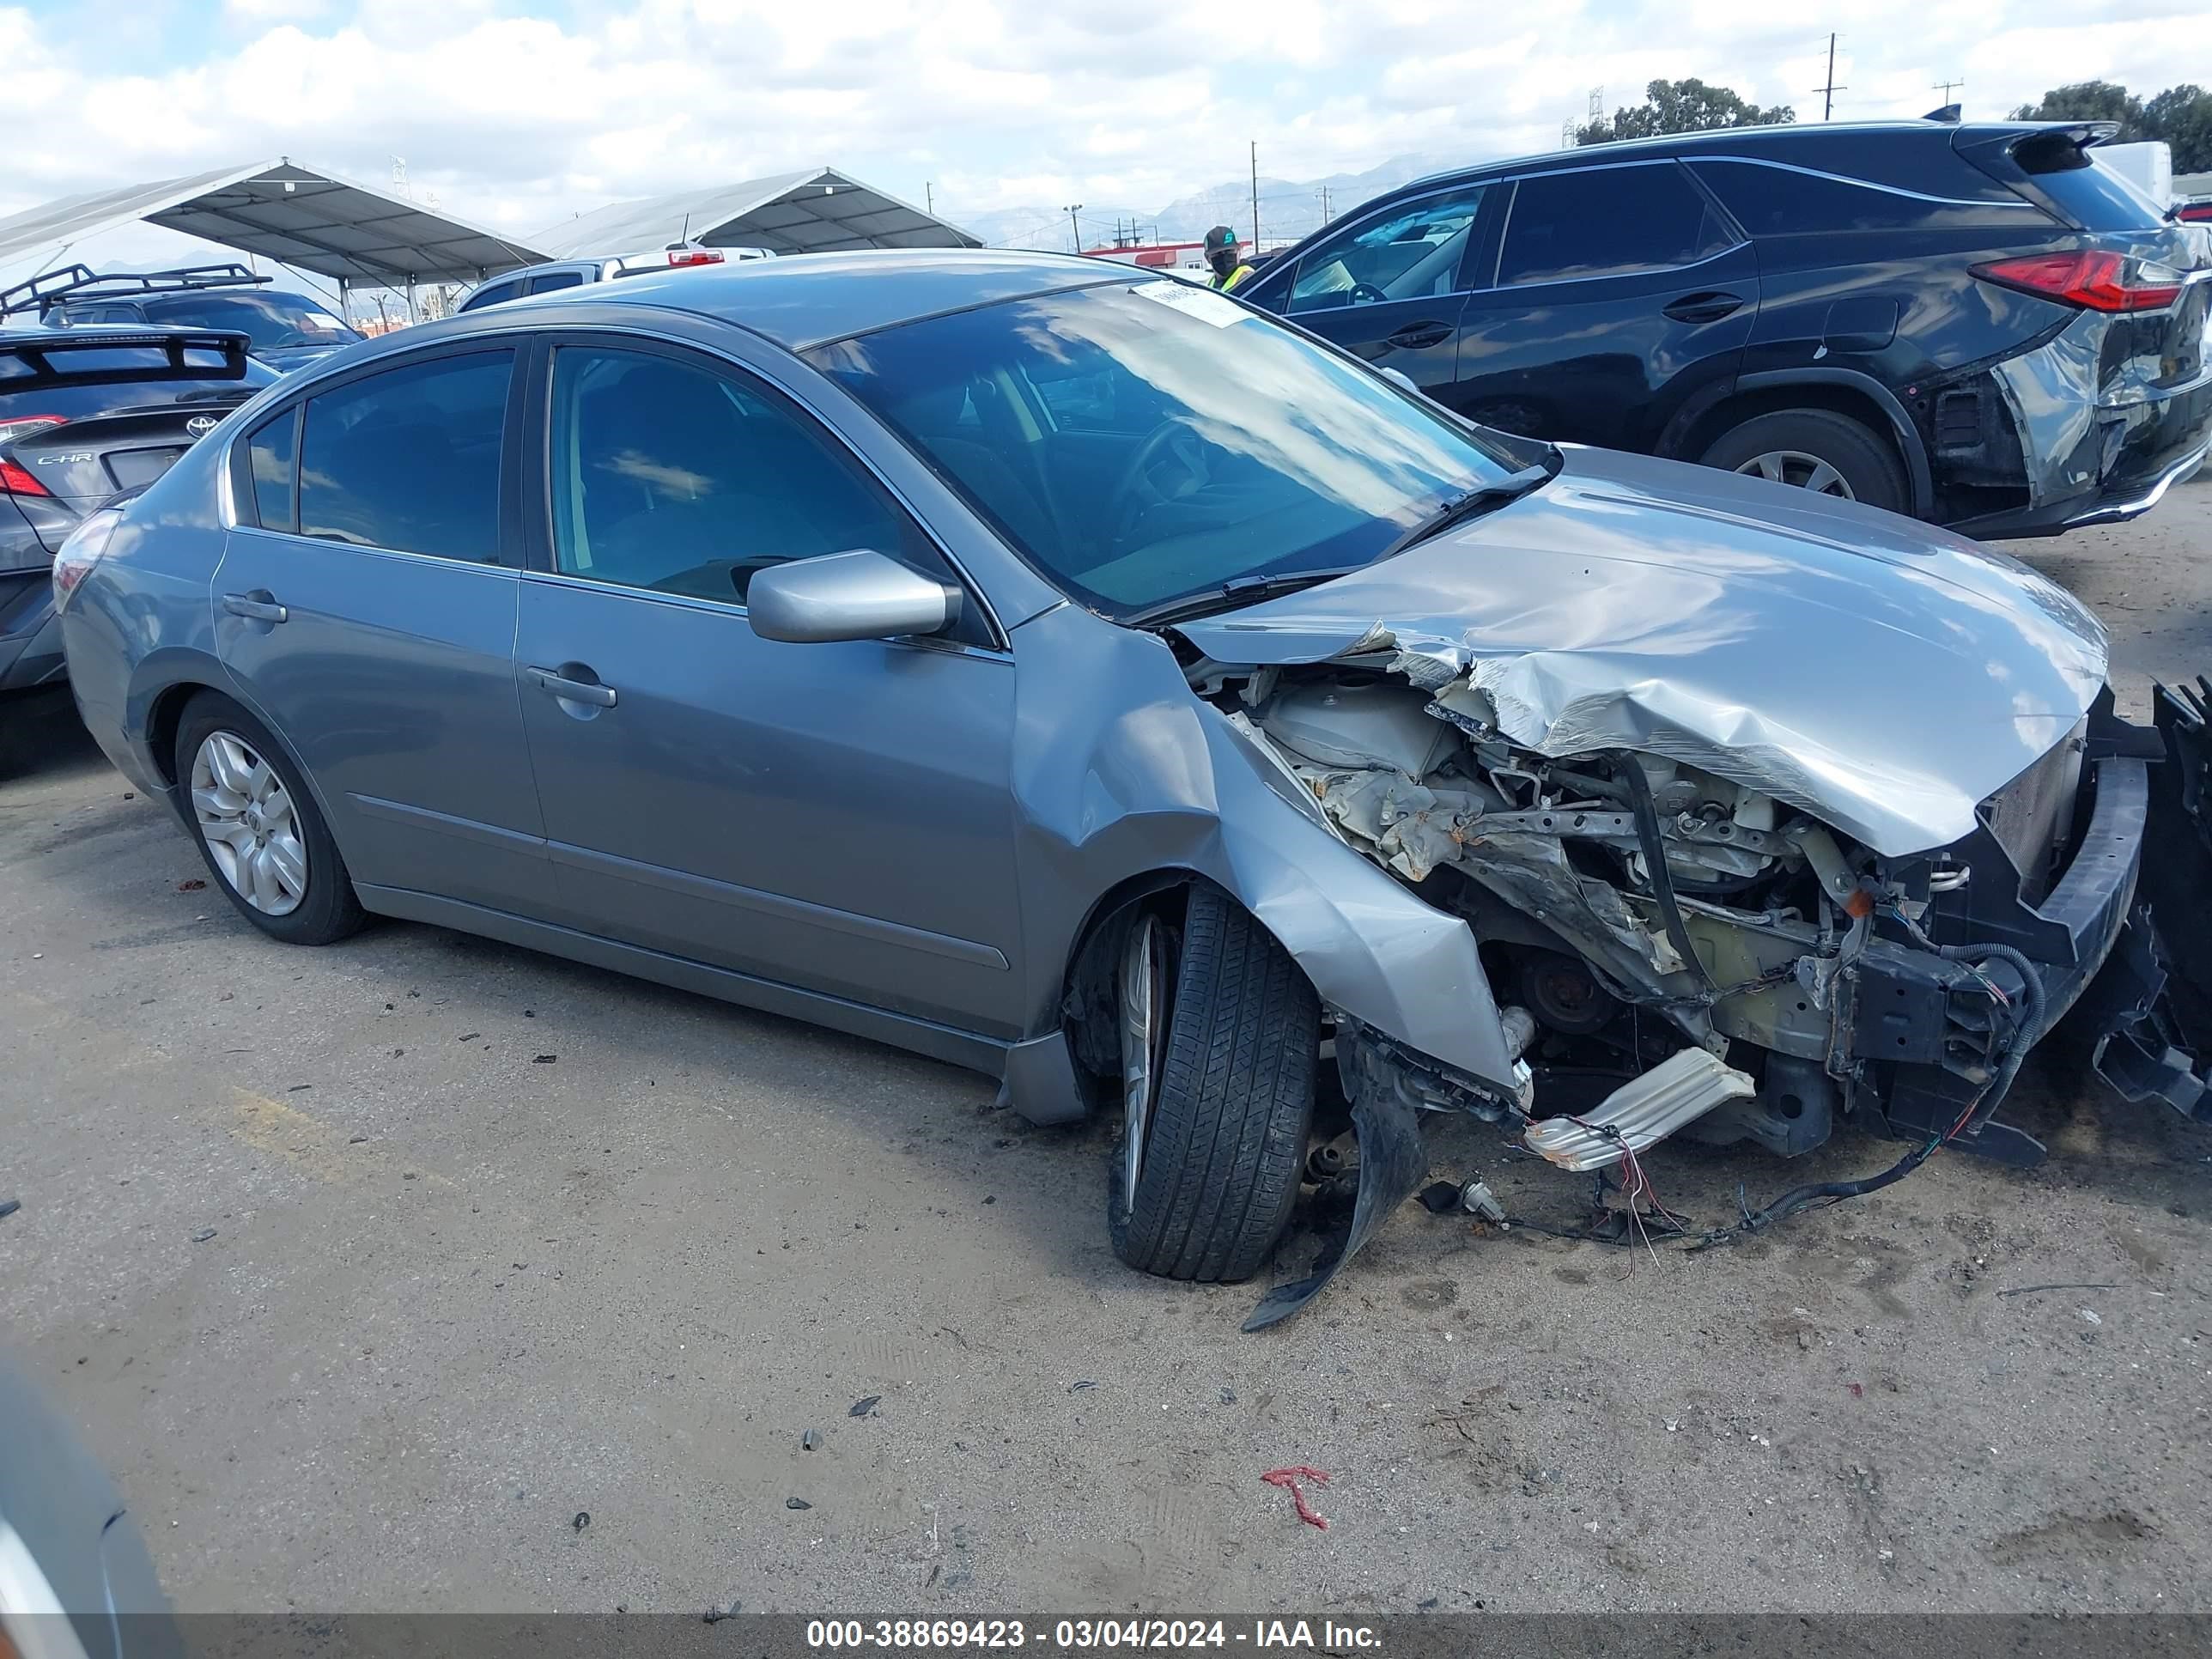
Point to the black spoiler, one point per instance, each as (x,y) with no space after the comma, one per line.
(29,360)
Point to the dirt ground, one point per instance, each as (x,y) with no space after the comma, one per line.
(368,1270)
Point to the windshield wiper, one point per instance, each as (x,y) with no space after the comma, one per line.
(1238,591)
(1479,499)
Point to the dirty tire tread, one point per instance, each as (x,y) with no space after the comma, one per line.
(332,910)
(1866,458)
(1233,1104)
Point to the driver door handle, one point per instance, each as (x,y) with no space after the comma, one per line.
(559,685)
(1415,336)
(259,606)
(1707,308)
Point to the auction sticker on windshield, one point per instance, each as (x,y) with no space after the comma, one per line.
(1202,303)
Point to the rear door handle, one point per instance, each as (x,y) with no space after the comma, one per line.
(260,605)
(1415,336)
(574,690)
(1707,308)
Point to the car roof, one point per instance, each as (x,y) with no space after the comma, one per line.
(805,299)
(1783,135)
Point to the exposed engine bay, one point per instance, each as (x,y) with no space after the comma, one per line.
(1674,950)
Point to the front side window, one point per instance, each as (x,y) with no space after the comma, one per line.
(1607,222)
(1241,447)
(490,295)
(554,279)
(408,459)
(1412,253)
(669,477)
(269,457)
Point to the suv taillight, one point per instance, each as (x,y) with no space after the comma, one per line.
(16,480)
(2094,278)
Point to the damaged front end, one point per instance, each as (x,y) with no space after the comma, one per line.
(1674,951)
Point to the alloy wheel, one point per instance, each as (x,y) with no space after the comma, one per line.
(245,816)
(1143,1041)
(1795,467)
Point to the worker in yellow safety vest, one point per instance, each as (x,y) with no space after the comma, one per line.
(1226,258)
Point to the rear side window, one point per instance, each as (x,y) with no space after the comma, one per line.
(1566,225)
(409,460)
(552,280)
(269,454)
(2094,197)
(1781,201)
(491,295)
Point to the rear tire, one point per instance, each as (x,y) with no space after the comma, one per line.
(1227,1096)
(251,802)
(1818,447)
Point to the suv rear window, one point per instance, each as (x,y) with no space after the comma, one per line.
(1606,220)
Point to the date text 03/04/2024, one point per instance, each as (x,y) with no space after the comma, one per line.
(1257,1635)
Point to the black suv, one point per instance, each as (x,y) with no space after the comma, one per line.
(1974,324)
(87,413)
(286,330)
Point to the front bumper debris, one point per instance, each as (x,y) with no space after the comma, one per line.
(2154,1002)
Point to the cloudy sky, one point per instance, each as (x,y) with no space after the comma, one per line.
(517,112)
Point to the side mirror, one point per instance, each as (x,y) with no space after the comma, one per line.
(861,595)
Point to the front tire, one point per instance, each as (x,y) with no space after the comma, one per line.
(259,829)
(1816,449)
(1220,1042)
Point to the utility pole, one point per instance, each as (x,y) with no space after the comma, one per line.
(1946,87)
(1255,195)
(929,197)
(1830,90)
(1074,230)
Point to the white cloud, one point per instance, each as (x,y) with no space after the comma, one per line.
(517,121)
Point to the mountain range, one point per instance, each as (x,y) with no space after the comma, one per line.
(1289,209)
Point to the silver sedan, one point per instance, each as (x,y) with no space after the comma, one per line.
(1079,676)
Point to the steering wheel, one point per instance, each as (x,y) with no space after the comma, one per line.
(1366,294)
(1176,439)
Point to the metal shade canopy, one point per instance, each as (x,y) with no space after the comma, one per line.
(295,216)
(816,211)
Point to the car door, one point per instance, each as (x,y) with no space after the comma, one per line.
(1391,285)
(365,605)
(1621,293)
(834,817)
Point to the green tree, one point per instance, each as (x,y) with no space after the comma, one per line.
(1681,106)
(2182,116)
(2090,100)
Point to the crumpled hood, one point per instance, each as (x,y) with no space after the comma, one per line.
(1883,675)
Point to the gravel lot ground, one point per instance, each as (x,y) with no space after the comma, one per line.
(496,1240)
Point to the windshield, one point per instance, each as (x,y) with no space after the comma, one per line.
(272,321)
(1141,443)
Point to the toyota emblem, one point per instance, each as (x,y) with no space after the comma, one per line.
(200,425)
